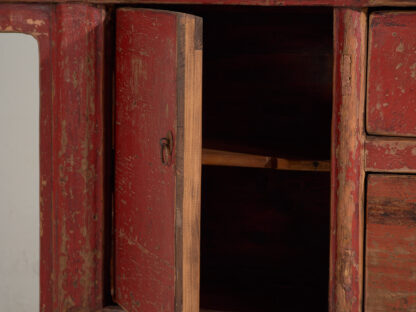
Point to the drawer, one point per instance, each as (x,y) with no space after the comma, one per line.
(391,100)
(390,270)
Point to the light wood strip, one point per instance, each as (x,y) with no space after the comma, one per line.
(192,161)
(224,158)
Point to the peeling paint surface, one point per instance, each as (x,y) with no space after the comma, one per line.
(347,172)
(144,187)
(392,74)
(390,244)
(78,151)
(390,155)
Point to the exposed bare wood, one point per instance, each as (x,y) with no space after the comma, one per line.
(224,158)
(347,171)
(192,146)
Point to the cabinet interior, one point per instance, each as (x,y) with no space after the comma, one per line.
(267,91)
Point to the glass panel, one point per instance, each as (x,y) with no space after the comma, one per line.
(19,173)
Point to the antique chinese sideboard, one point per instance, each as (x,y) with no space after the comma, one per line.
(241,155)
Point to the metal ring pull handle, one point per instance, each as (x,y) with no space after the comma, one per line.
(166,148)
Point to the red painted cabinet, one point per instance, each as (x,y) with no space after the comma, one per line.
(264,157)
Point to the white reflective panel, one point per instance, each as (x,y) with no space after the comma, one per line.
(19,173)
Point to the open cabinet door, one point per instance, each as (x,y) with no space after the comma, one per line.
(157,160)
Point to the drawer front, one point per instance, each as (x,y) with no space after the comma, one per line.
(390,265)
(391,86)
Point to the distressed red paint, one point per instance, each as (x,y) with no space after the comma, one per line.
(347,172)
(390,155)
(391,104)
(78,157)
(146,97)
(71,142)
(391,237)
(334,3)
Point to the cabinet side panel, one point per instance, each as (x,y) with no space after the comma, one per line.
(390,243)
(347,156)
(146,64)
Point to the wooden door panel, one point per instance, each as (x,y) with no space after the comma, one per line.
(391,101)
(390,282)
(158,100)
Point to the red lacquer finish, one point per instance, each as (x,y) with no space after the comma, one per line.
(70,39)
(390,243)
(78,157)
(146,97)
(347,161)
(390,155)
(391,101)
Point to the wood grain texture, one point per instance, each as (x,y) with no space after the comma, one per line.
(158,90)
(224,158)
(347,168)
(390,155)
(333,3)
(391,104)
(390,281)
(78,157)
(70,149)
(188,207)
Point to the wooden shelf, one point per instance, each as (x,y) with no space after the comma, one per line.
(212,157)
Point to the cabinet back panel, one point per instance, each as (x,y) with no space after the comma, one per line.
(264,240)
(267,79)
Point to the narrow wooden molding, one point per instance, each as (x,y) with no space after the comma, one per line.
(192,145)
(390,154)
(347,166)
(224,158)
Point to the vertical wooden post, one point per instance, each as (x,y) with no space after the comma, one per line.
(347,171)
(77,151)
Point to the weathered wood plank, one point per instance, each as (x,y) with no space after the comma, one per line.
(391,104)
(158,95)
(390,155)
(390,281)
(347,168)
(78,207)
